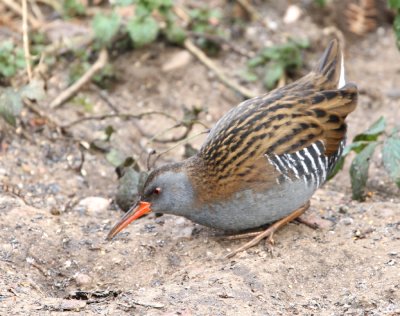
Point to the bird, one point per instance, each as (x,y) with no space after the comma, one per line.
(262,161)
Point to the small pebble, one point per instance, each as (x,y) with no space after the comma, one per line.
(347,221)
(55,211)
(292,14)
(344,209)
(178,60)
(393,93)
(83,279)
(95,204)
(6,248)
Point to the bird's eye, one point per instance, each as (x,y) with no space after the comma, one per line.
(157,191)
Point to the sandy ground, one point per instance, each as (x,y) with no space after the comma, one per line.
(53,256)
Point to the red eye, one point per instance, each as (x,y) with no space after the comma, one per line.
(157,191)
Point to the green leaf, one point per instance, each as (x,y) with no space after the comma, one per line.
(391,157)
(248,76)
(359,170)
(11,59)
(34,90)
(372,133)
(355,146)
(143,30)
(105,27)
(338,167)
(394,4)
(256,61)
(142,10)
(115,157)
(321,3)
(109,131)
(175,34)
(73,7)
(273,74)
(10,105)
(123,3)
(396,28)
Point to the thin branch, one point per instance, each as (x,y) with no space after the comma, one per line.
(61,47)
(36,10)
(254,15)
(212,66)
(223,41)
(38,111)
(119,115)
(175,139)
(13,5)
(183,141)
(87,76)
(25,38)
(105,97)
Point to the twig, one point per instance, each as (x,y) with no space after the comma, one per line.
(254,15)
(65,45)
(212,66)
(25,38)
(13,5)
(36,10)
(104,96)
(35,109)
(74,88)
(183,141)
(149,304)
(56,5)
(224,41)
(120,115)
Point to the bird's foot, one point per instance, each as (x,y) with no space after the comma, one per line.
(268,233)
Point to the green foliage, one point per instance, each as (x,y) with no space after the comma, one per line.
(11,59)
(83,102)
(115,157)
(321,3)
(205,21)
(143,27)
(364,146)
(10,105)
(359,170)
(143,30)
(391,156)
(395,5)
(11,100)
(105,27)
(102,78)
(279,60)
(73,8)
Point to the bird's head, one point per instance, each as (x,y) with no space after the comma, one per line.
(166,190)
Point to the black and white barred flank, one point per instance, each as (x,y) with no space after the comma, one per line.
(309,164)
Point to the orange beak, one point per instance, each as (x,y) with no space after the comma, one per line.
(136,211)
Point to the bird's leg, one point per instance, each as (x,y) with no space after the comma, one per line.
(308,223)
(243,236)
(271,230)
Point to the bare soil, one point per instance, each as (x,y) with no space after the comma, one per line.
(53,255)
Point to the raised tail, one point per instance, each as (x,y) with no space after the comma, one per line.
(331,66)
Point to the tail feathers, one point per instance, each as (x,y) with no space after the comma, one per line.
(331,66)
(332,112)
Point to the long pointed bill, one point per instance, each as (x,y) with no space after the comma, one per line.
(136,211)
